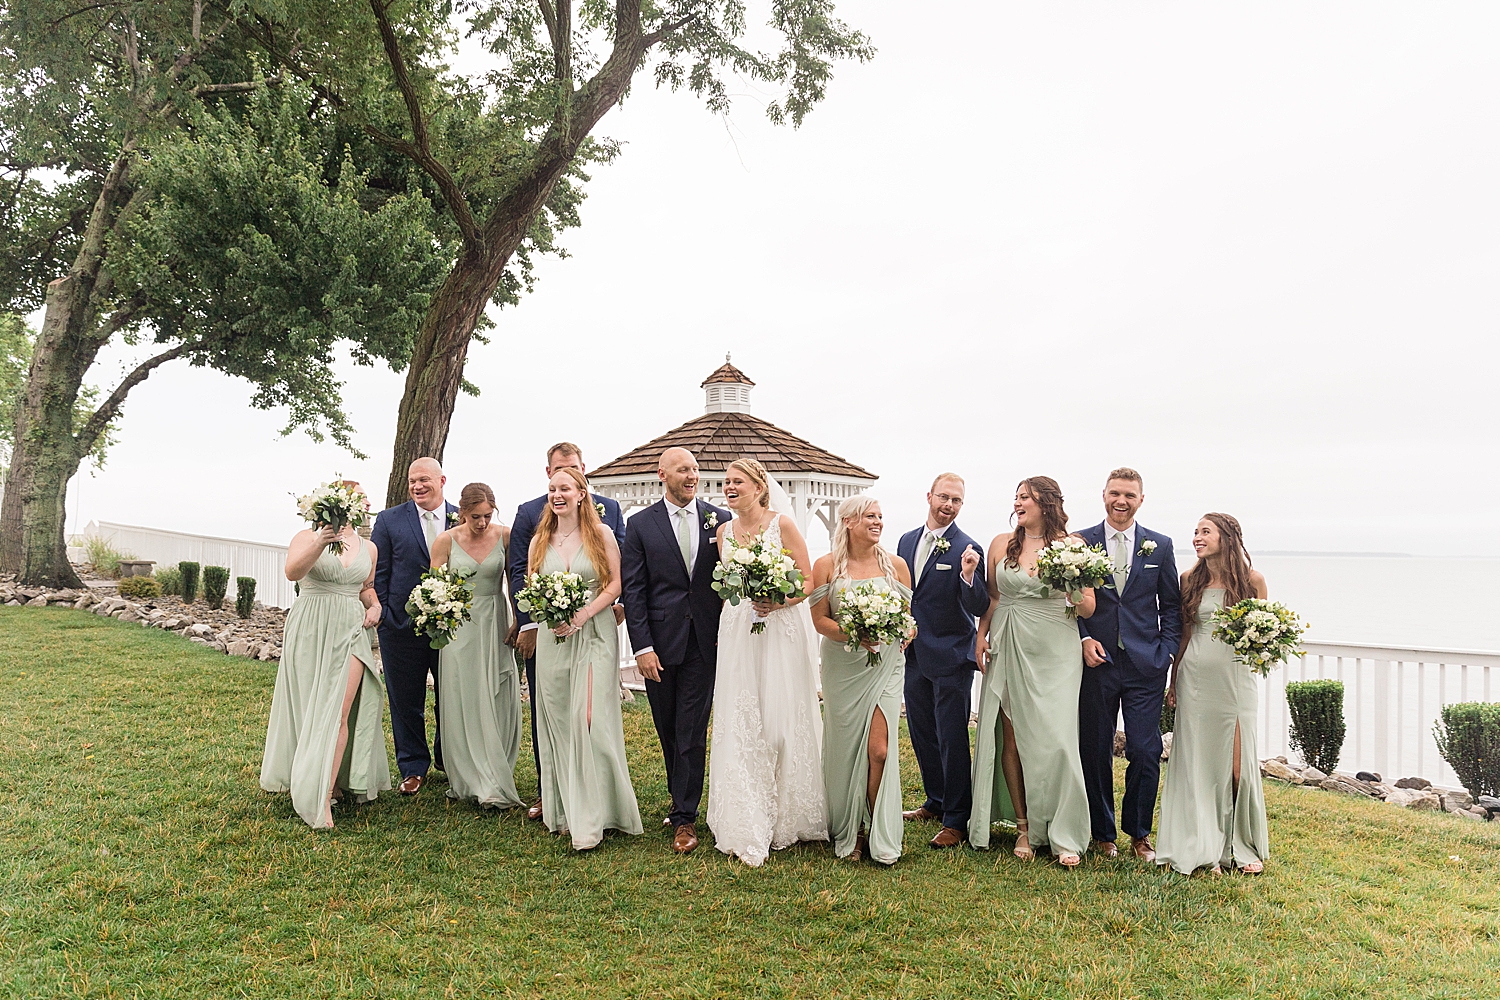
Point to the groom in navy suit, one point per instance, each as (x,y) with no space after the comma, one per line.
(563,455)
(403,537)
(1128,645)
(672,611)
(948,592)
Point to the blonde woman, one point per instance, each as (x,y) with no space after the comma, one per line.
(765,781)
(580,735)
(861,703)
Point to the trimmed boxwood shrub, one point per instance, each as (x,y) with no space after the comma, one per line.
(139,587)
(215,585)
(244,595)
(189,571)
(170,580)
(1317,721)
(1468,737)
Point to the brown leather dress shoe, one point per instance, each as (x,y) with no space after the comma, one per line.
(685,839)
(410,785)
(948,837)
(535,810)
(1141,848)
(921,814)
(1107,848)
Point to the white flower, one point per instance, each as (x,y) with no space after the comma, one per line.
(1147,547)
(743,556)
(711,520)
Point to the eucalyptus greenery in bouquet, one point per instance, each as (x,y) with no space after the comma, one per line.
(1262,633)
(439,603)
(335,504)
(758,571)
(869,614)
(552,599)
(1068,565)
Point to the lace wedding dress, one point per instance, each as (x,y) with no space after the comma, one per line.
(765,772)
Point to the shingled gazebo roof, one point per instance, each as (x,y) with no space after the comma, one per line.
(716,439)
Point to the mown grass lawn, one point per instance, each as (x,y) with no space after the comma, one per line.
(140,859)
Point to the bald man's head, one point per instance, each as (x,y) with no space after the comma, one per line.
(424,482)
(678,471)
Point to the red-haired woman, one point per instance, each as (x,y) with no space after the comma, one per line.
(1028,704)
(1213,812)
(581,738)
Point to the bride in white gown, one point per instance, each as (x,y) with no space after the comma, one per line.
(765,772)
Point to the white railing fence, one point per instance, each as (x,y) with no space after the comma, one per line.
(1393,695)
(265,562)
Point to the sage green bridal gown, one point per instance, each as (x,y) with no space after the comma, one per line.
(481,706)
(1035,671)
(585,783)
(1203,822)
(324,628)
(851,693)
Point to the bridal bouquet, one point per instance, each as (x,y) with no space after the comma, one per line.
(335,504)
(1069,565)
(552,599)
(439,604)
(1261,633)
(868,614)
(756,572)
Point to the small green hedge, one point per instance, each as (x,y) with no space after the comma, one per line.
(1317,721)
(189,571)
(215,585)
(244,595)
(1468,737)
(139,587)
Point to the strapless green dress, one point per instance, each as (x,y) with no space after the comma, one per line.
(1035,671)
(585,782)
(480,714)
(852,691)
(1203,822)
(324,628)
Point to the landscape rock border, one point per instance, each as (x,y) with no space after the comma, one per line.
(1408,793)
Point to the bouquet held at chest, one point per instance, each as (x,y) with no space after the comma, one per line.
(758,571)
(1068,565)
(439,604)
(1261,633)
(335,504)
(880,617)
(552,599)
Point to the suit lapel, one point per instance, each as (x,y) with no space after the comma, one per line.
(933,553)
(1137,560)
(708,553)
(663,521)
(414,522)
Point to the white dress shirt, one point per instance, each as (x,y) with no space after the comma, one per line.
(437,517)
(1109,541)
(672,516)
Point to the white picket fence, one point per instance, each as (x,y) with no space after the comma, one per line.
(265,562)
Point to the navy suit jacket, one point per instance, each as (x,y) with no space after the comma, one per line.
(1148,615)
(661,603)
(403,558)
(528,516)
(943,605)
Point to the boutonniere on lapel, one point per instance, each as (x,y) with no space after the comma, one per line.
(1147,547)
(941,545)
(710,521)
(600,508)
(453,518)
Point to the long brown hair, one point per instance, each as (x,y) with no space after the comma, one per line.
(1049,500)
(1234,573)
(472,496)
(589,526)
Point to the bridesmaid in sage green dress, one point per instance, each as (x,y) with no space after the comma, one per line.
(1213,810)
(324,740)
(860,701)
(481,706)
(580,735)
(1028,702)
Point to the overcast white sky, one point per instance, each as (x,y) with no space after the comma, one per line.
(1250,250)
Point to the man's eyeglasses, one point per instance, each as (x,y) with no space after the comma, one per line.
(946,500)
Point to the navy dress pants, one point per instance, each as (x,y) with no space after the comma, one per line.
(407,659)
(937,720)
(681,703)
(1108,690)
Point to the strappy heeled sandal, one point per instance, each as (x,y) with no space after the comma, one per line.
(1023,844)
(1069,860)
(1252,868)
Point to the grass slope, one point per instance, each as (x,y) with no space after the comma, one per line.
(140,858)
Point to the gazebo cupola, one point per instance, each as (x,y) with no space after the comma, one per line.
(817,481)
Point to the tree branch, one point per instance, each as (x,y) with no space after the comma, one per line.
(549,18)
(668,29)
(110,408)
(244,86)
(419,151)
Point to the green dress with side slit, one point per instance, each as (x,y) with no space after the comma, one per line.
(585,782)
(481,707)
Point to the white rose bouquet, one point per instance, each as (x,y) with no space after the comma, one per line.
(552,599)
(1261,633)
(868,614)
(756,572)
(335,504)
(439,604)
(1069,565)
